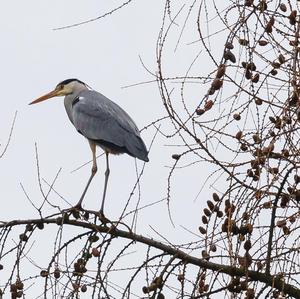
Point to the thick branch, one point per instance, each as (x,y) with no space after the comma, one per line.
(269,280)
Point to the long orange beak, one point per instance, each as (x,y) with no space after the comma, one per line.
(47,96)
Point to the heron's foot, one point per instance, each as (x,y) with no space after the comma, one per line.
(102,218)
(74,211)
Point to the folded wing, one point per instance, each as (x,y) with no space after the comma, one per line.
(103,121)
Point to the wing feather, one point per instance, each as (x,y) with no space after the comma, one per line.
(98,118)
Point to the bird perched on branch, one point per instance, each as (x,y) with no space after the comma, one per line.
(102,122)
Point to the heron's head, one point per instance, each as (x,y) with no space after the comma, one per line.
(63,88)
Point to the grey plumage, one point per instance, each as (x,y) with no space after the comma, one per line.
(104,122)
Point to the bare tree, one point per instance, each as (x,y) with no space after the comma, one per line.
(244,63)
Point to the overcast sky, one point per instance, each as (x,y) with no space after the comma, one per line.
(105,55)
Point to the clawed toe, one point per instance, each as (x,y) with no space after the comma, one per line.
(102,218)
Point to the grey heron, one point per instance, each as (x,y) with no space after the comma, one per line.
(102,122)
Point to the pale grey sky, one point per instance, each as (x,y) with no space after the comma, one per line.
(105,55)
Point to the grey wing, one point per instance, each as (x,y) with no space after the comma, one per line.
(99,119)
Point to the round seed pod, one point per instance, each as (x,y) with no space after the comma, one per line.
(227,203)
(281,223)
(286,230)
(254,163)
(13,288)
(256,138)
(207,212)
(95,252)
(255,78)
(274,72)
(285,153)
(83,288)
(221,71)
(228,55)
(249,2)
(272,119)
(56,273)
(267,205)
(216,197)
(248,74)
(210,205)
(297,179)
(285,198)
(247,245)
(19,284)
(248,258)
(262,42)
(243,42)
(208,105)
(93,238)
(40,225)
(251,66)
(217,84)
(44,273)
(239,135)
(229,46)
(258,101)
(262,5)
(297,195)
(292,17)
(213,248)
(269,27)
(200,111)
(283,7)
(235,229)
(23,237)
(224,228)
(211,91)
(244,147)
(250,173)
(220,214)
(236,116)
(275,65)
(281,58)
(243,230)
(246,216)
(202,230)
(29,227)
(204,220)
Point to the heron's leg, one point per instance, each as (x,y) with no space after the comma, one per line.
(94,170)
(107,171)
